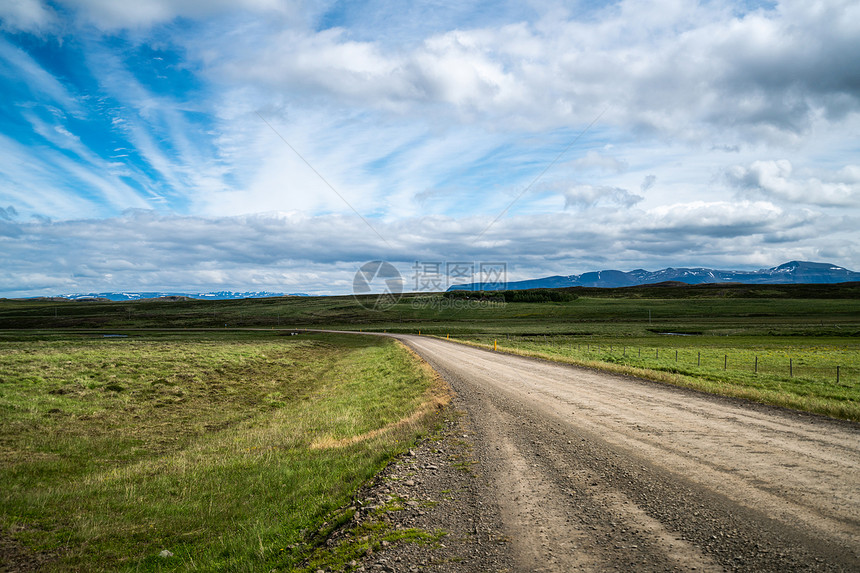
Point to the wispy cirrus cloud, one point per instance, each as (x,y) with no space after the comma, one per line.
(727,134)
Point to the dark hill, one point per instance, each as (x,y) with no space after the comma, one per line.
(794,272)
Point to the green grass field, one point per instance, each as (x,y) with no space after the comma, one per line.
(227,449)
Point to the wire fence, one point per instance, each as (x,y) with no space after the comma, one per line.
(839,366)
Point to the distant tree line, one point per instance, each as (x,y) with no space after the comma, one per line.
(528,295)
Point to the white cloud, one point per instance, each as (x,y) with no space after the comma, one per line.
(25,16)
(777,179)
(599,161)
(648,182)
(586,196)
(109,15)
(717,219)
(678,71)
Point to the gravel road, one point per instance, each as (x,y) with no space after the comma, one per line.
(586,471)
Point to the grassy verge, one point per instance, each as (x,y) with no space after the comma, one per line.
(790,373)
(225,450)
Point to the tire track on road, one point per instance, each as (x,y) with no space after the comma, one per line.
(625,473)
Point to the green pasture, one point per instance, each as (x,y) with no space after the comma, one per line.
(229,450)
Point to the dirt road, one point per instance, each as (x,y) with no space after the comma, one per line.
(592,471)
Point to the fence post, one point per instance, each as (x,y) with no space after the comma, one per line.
(699,359)
(790,369)
(657,353)
(726,362)
(640,353)
(837,374)
(676,356)
(756,364)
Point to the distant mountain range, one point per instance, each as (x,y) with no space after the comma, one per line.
(126,296)
(794,272)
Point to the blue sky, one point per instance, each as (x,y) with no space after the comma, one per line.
(213,144)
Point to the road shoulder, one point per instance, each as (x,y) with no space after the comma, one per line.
(428,510)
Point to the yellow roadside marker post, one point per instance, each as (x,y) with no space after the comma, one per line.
(495,345)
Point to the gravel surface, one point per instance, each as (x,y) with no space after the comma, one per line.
(555,468)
